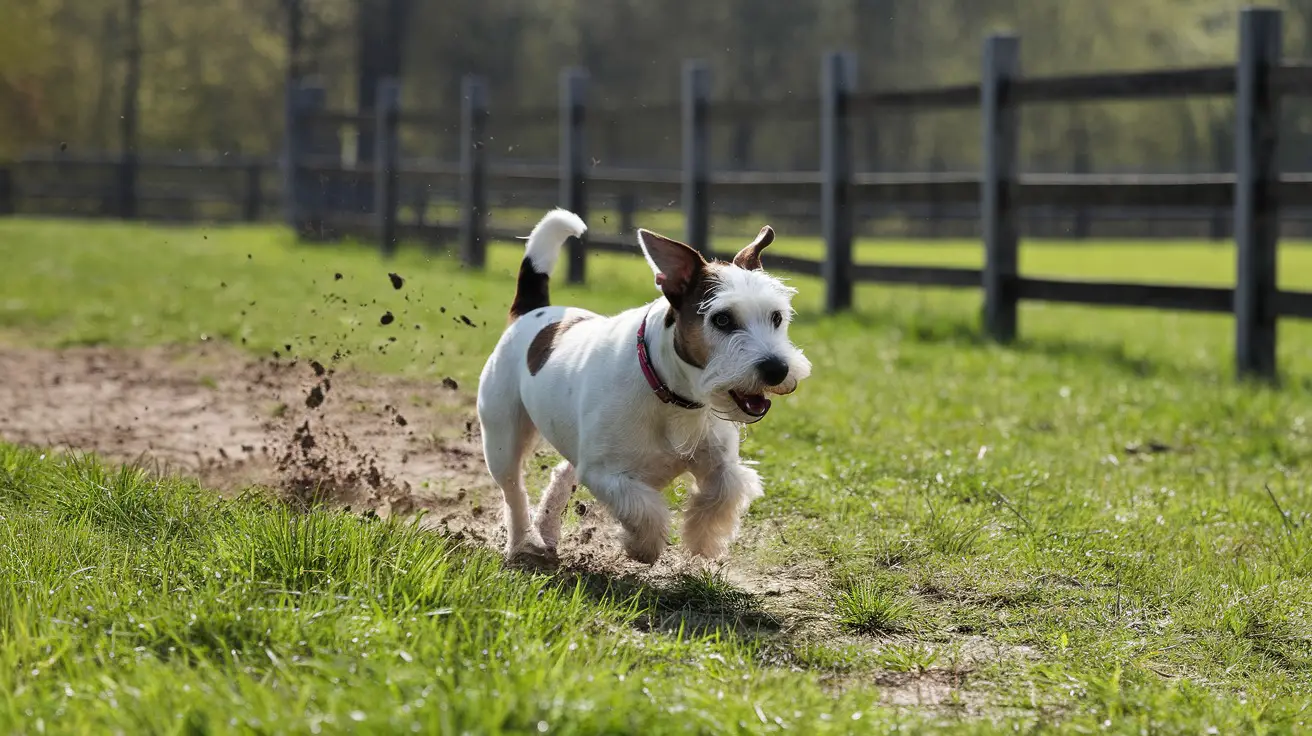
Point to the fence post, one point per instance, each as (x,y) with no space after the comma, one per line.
(473,171)
(387,144)
(998,211)
(837,82)
(1082,163)
(254,193)
(127,185)
(936,209)
(303,194)
(696,155)
(420,203)
(129,163)
(1257,173)
(628,207)
(292,151)
(8,195)
(573,162)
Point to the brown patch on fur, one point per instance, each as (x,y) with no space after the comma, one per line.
(531,291)
(687,279)
(544,343)
(750,257)
(689,325)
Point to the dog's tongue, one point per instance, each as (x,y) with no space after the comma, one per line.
(756,404)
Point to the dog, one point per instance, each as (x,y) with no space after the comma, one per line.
(634,400)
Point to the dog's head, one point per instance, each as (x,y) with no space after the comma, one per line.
(730,320)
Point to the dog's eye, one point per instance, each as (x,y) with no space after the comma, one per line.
(723,321)
(777,319)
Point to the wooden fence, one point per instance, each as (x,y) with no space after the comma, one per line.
(178,188)
(319,195)
(1256,192)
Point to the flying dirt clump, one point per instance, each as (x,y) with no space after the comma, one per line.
(319,464)
(397,281)
(328,468)
(397,419)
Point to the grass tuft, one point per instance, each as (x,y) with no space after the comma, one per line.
(870,608)
(915,658)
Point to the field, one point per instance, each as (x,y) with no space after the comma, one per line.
(1095,530)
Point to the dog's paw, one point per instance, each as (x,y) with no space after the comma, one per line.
(644,549)
(709,549)
(532,550)
(533,553)
(708,535)
(549,533)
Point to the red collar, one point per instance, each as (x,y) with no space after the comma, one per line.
(658,386)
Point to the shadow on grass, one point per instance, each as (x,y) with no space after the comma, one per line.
(698,604)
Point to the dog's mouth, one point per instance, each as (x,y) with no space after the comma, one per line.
(753,405)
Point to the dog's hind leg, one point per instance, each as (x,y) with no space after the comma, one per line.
(551,507)
(508,435)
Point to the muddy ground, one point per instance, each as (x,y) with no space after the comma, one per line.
(307,431)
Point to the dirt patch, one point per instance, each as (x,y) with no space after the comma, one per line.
(396,446)
(233,421)
(312,432)
(300,427)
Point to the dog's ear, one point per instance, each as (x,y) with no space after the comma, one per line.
(677,266)
(750,257)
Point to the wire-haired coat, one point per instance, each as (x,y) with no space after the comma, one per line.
(634,400)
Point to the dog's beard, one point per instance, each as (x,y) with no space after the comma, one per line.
(732,381)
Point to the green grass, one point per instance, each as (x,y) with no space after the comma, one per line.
(150,606)
(868,608)
(962,498)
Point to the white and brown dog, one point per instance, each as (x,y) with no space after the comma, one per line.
(634,400)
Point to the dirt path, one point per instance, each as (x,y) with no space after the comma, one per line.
(235,421)
(392,445)
(306,431)
(299,427)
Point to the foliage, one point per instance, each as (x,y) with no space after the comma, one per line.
(213,73)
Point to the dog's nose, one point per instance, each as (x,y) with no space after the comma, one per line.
(773,371)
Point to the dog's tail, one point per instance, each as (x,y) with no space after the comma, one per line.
(544,244)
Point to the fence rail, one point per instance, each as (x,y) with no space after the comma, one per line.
(321,194)
(164,187)
(1256,192)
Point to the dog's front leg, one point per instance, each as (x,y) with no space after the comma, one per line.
(638,507)
(725,487)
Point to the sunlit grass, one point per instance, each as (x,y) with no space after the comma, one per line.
(1088,509)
